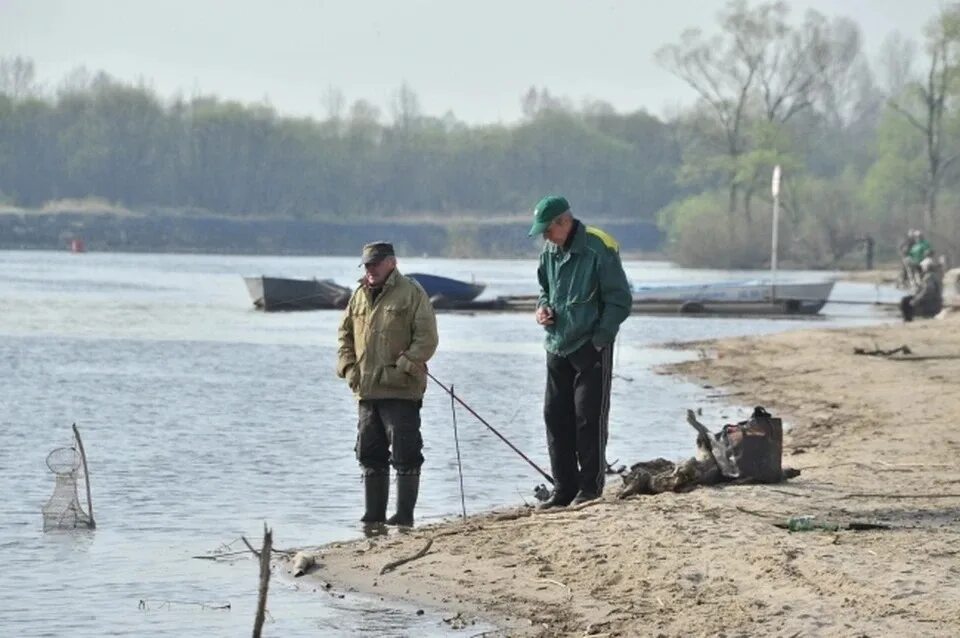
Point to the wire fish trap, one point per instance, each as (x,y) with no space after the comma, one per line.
(63,509)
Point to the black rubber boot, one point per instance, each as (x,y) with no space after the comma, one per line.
(557,499)
(376,491)
(408,487)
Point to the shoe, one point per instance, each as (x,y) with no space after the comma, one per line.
(583,497)
(376,491)
(408,487)
(555,500)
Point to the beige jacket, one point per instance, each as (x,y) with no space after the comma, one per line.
(385,344)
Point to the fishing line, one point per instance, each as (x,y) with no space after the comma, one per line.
(491,428)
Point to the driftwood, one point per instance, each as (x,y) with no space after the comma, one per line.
(905,349)
(389,567)
(719,458)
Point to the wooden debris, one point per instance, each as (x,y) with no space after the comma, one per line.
(389,567)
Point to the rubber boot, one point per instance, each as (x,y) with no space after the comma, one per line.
(408,487)
(376,491)
(557,499)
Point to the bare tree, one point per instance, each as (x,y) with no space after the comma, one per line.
(18,78)
(723,71)
(898,55)
(760,69)
(334,103)
(925,101)
(405,108)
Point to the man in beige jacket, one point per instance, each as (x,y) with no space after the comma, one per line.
(387,335)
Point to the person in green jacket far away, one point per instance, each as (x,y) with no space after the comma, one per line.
(584,297)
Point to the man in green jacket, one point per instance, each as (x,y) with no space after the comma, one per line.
(584,297)
(387,335)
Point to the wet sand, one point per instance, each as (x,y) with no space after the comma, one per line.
(876,439)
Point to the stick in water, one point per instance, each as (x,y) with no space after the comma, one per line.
(86,475)
(456,442)
(264,580)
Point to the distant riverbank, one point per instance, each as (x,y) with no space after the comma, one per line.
(130,231)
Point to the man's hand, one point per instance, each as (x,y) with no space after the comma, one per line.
(419,365)
(544,315)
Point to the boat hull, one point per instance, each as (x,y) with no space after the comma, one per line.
(444,290)
(279,293)
(748,297)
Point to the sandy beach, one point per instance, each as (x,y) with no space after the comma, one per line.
(876,440)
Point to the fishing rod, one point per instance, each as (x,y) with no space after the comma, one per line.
(491,428)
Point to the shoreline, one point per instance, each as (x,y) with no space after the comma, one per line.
(875,442)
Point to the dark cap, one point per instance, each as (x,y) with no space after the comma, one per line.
(376,251)
(546,210)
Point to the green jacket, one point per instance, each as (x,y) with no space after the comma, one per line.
(920,249)
(384,344)
(586,288)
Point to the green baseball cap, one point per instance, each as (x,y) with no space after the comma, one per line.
(375,252)
(546,210)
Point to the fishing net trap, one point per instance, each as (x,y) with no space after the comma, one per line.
(64,510)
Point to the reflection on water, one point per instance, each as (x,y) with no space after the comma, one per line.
(203,419)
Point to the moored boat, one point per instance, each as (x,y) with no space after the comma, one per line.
(751,296)
(445,291)
(280,293)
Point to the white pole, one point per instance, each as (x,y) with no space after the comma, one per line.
(775,190)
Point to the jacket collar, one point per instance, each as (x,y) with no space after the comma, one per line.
(575,242)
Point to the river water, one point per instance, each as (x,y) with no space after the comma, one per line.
(203,419)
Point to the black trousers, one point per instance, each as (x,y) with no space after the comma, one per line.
(575,411)
(388,433)
(906,309)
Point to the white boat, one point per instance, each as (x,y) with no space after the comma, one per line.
(756,296)
(740,297)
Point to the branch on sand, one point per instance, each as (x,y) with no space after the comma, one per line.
(877,352)
(389,567)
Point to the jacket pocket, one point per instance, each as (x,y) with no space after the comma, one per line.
(394,377)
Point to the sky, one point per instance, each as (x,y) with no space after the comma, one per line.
(472,58)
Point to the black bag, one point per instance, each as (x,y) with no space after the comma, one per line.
(754,448)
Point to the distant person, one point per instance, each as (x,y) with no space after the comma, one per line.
(387,335)
(920,249)
(928,300)
(584,297)
(906,266)
(868,247)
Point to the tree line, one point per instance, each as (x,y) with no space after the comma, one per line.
(868,147)
(97,136)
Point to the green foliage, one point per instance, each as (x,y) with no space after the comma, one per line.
(893,188)
(701,232)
